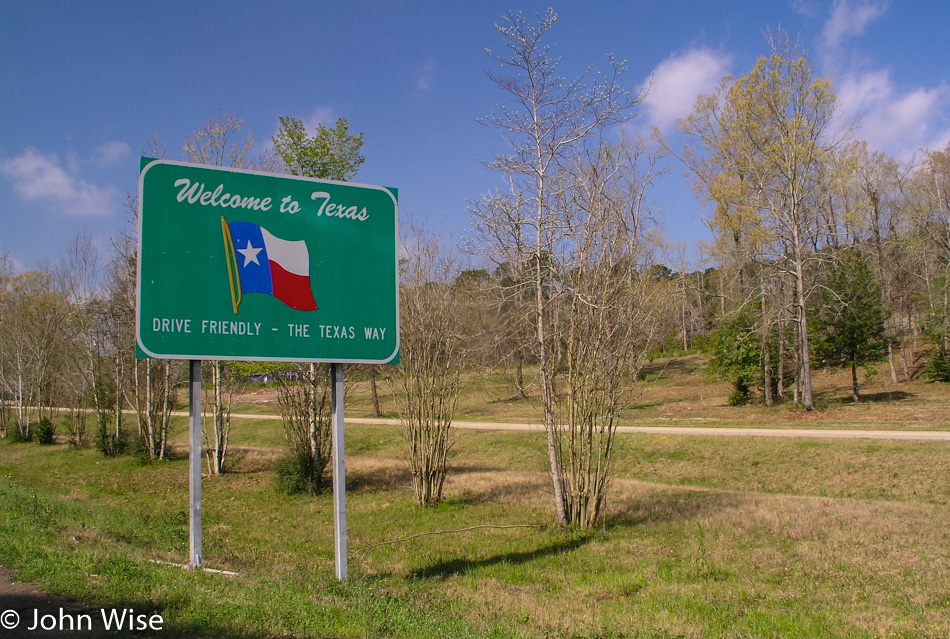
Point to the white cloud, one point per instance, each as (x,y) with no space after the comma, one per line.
(849,18)
(38,177)
(896,123)
(677,81)
(807,8)
(858,93)
(320,115)
(110,153)
(896,120)
(424,76)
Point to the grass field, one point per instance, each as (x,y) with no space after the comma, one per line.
(679,391)
(703,536)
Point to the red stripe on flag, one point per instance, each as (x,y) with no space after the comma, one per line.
(292,289)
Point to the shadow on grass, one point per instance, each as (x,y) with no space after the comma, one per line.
(887,396)
(513,399)
(462,470)
(675,366)
(507,491)
(376,479)
(674,506)
(460,566)
(842,396)
(643,406)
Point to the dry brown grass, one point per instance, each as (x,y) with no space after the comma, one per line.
(866,560)
(680,391)
(687,549)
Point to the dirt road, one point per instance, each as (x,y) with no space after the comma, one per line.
(819,433)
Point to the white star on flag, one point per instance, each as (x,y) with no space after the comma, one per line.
(250,253)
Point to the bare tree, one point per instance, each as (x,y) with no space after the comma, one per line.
(152,395)
(80,273)
(545,123)
(227,384)
(35,315)
(220,142)
(303,393)
(613,315)
(427,378)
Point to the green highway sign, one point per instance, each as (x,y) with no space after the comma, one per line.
(241,265)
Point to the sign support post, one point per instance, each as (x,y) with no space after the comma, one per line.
(194,462)
(339,473)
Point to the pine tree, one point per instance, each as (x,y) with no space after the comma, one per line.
(850,316)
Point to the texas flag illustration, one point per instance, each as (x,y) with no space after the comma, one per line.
(259,262)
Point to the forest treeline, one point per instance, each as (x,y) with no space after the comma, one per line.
(821,252)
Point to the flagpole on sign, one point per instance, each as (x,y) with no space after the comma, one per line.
(229,256)
(339,477)
(194,462)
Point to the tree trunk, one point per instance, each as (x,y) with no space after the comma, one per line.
(118,399)
(544,365)
(766,355)
(374,393)
(806,397)
(890,361)
(797,387)
(781,359)
(548,401)
(904,362)
(854,380)
(519,381)
(685,331)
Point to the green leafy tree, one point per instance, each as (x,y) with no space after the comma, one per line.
(737,353)
(330,153)
(766,140)
(850,317)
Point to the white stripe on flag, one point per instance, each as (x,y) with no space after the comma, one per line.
(291,255)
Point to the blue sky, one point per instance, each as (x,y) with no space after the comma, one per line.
(87,85)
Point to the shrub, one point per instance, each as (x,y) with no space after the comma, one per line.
(108,443)
(299,473)
(938,368)
(45,432)
(741,395)
(76,421)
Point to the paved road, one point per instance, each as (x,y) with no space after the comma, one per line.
(817,433)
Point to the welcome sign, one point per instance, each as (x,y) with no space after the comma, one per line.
(242,265)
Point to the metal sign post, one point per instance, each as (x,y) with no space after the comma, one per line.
(194,462)
(339,473)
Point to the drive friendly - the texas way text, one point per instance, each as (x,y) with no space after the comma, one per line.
(252,329)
